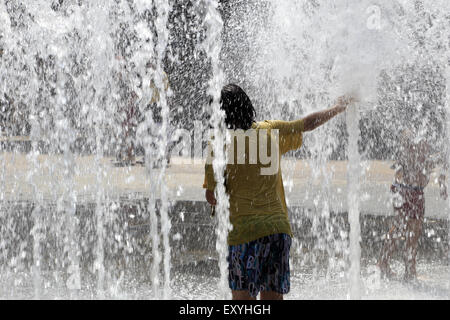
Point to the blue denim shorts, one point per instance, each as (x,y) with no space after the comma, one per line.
(260,265)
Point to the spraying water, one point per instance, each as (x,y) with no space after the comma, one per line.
(163,9)
(77,222)
(353,172)
(213,47)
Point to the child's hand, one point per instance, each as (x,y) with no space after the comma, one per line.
(442,187)
(209,195)
(344,101)
(443,193)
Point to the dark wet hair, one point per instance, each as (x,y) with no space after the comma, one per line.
(239,111)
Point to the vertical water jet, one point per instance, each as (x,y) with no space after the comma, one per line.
(213,46)
(163,9)
(353,189)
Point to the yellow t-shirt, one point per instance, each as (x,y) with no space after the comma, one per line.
(257,201)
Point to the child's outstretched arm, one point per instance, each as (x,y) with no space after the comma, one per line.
(317,119)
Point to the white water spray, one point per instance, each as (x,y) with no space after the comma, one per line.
(163,9)
(447,108)
(97,20)
(213,45)
(353,193)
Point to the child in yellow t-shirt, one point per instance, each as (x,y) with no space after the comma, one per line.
(260,241)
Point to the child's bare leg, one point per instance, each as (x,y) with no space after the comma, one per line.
(271,295)
(414,228)
(389,246)
(241,295)
(386,252)
(130,153)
